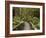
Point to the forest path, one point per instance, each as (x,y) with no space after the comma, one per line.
(26,26)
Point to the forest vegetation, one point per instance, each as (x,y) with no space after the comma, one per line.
(26,18)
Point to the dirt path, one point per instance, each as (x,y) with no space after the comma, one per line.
(26,26)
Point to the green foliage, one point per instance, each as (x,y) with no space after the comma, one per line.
(26,14)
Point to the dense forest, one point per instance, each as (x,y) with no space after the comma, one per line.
(26,18)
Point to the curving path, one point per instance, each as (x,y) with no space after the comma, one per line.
(26,26)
